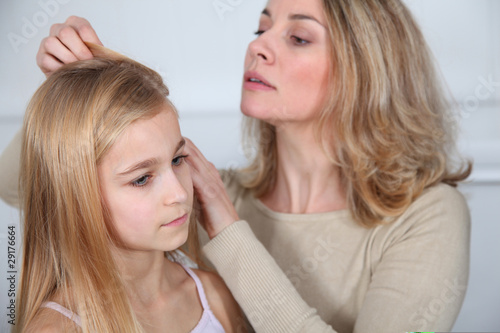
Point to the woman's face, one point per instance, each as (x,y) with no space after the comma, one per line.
(287,65)
(146,184)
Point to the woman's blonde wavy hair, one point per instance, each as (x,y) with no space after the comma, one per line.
(387,124)
(71,122)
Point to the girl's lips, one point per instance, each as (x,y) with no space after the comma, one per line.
(180,221)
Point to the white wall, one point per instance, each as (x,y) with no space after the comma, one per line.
(199,51)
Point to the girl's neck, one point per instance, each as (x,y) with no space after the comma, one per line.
(307,181)
(161,293)
(146,274)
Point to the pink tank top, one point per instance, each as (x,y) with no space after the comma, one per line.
(207,324)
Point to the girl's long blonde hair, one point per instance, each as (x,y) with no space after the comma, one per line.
(387,123)
(71,122)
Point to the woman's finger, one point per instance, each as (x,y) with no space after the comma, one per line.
(48,64)
(53,47)
(84,29)
(206,180)
(70,38)
(193,151)
(66,44)
(217,210)
(198,160)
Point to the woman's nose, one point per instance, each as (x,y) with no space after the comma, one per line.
(261,49)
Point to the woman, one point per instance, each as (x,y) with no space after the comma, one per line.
(346,220)
(106,197)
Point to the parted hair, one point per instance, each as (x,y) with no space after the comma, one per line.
(71,122)
(388,122)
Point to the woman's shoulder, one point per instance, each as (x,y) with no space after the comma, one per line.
(442,197)
(436,226)
(439,207)
(444,192)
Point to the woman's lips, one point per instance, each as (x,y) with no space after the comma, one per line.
(255,81)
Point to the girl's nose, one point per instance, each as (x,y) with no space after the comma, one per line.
(175,192)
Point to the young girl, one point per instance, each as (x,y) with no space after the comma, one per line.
(105,194)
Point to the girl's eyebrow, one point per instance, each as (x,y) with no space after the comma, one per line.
(181,144)
(293,17)
(141,165)
(150,162)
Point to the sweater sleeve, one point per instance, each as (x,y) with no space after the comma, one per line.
(420,282)
(9,171)
(263,291)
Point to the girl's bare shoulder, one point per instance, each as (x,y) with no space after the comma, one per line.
(50,321)
(221,301)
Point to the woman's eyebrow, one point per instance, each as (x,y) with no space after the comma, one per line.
(295,17)
(304,17)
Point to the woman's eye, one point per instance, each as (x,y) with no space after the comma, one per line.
(141,181)
(178,160)
(299,41)
(259,32)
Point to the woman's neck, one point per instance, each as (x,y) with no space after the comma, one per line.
(307,181)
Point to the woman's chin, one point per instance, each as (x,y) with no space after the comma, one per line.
(256,111)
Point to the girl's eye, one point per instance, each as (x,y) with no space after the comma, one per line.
(259,32)
(178,160)
(299,41)
(141,181)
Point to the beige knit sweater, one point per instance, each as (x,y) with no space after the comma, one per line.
(324,272)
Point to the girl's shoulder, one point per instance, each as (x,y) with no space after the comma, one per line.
(49,321)
(221,301)
(215,288)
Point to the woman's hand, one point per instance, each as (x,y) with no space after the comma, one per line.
(217,210)
(65,44)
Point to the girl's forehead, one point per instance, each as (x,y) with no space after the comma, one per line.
(162,127)
(157,137)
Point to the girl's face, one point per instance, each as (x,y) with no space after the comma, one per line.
(287,66)
(146,184)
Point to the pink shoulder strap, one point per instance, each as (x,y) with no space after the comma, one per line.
(199,287)
(65,312)
(208,322)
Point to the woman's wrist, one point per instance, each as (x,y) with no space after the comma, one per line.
(215,229)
